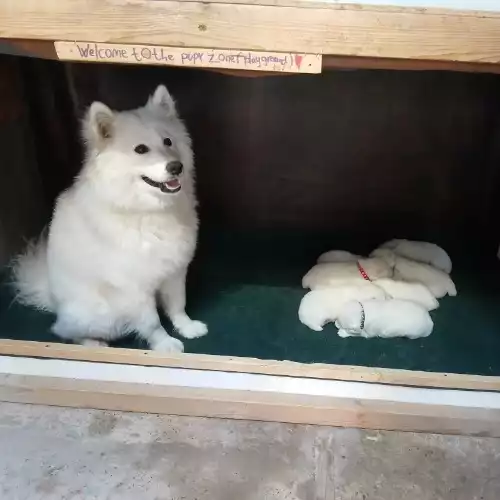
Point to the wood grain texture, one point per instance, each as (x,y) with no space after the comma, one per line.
(364,31)
(250,405)
(250,365)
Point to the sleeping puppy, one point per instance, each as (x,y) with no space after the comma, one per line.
(336,273)
(321,306)
(421,251)
(438,282)
(384,318)
(338,256)
(414,292)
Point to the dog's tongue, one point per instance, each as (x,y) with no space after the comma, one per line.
(173,184)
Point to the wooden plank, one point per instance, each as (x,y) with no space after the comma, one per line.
(475,6)
(45,49)
(250,365)
(188,57)
(250,405)
(350,30)
(350,62)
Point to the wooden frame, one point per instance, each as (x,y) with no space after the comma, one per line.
(348,36)
(244,388)
(248,396)
(44,49)
(209,363)
(290,26)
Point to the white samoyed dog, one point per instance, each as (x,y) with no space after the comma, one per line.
(338,256)
(421,251)
(404,290)
(384,318)
(332,274)
(323,305)
(123,235)
(437,281)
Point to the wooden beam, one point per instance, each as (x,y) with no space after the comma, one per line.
(348,30)
(249,365)
(149,396)
(44,49)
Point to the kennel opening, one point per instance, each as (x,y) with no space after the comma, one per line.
(287,167)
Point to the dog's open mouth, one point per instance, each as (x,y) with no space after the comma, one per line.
(170,186)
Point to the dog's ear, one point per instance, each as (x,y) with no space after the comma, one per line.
(98,124)
(161,101)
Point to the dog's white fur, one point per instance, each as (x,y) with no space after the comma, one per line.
(116,243)
(336,273)
(321,306)
(421,251)
(414,292)
(437,281)
(338,256)
(384,318)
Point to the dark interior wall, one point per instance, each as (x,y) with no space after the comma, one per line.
(370,154)
(23,207)
(49,96)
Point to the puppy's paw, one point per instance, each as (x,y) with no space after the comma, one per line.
(168,345)
(191,329)
(317,327)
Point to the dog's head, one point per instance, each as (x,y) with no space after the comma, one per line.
(382,263)
(139,159)
(351,317)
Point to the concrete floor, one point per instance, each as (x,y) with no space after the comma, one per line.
(55,453)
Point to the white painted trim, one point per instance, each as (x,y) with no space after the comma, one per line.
(202,379)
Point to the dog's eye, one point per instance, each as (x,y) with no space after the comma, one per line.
(141,149)
(167,141)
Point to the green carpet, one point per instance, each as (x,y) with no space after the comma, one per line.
(247,289)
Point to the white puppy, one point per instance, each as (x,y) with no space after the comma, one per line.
(438,282)
(414,292)
(338,256)
(123,234)
(421,251)
(334,273)
(384,318)
(324,305)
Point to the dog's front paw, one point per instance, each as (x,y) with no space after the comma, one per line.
(191,329)
(168,345)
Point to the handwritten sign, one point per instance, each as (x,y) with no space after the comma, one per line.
(191,57)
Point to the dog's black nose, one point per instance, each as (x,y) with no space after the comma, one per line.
(174,167)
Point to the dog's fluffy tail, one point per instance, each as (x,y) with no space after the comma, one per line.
(31,277)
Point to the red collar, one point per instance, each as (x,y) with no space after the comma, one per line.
(363,272)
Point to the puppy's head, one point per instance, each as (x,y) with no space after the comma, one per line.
(139,159)
(382,263)
(350,318)
(377,267)
(389,256)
